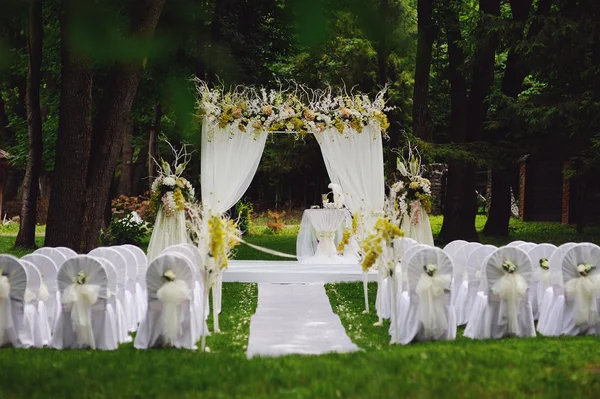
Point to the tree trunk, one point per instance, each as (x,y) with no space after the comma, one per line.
(427,32)
(111,122)
(216,40)
(512,85)
(153,144)
(125,180)
(26,236)
(3,121)
(67,200)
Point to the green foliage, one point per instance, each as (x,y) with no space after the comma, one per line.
(125,231)
(244,211)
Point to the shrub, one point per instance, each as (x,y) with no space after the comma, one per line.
(124,205)
(274,221)
(244,213)
(126,230)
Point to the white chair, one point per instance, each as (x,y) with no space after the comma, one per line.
(67,252)
(84,321)
(470,285)
(540,260)
(117,260)
(111,295)
(170,317)
(459,274)
(453,246)
(516,243)
(130,282)
(527,246)
(556,280)
(57,257)
(425,312)
(35,298)
(17,318)
(140,285)
(48,271)
(575,310)
(502,307)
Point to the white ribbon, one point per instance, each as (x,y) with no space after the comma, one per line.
(5,311)
(511,288)
(172,294)
(543,276)
(430,290)
(82,297)
(584,290)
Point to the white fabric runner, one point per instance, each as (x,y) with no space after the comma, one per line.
(295,319)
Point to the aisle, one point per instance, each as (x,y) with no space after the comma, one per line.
(295,319)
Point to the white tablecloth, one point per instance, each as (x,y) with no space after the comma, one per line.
(320,232)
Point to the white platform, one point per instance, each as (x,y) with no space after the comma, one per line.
(262,271)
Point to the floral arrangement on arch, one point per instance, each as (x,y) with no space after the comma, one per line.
(170,190)
(416,190)
(298,109)
(383,234)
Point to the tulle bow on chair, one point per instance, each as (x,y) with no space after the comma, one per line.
(584,290)
(172,293)
(430,288)
(511,287)
(82,297)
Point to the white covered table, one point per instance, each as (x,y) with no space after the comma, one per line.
(320,232)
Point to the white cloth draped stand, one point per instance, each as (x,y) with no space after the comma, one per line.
(320,232)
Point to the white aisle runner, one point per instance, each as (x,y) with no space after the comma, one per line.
(295,319)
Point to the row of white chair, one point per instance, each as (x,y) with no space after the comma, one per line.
(484,296)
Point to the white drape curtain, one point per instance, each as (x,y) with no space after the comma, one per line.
(228,164)
(355,162)
(167,231)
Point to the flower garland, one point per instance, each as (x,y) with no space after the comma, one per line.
(384,232)
(298,111)
(348,233)
(170,190)
(418,188)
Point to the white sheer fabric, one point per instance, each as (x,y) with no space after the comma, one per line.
(459,276)
(140,285)
(53,253)
(130,301)
(48,271)
(425,312)
(471,280)
(35,296)
(16,322)
(228,164)
(84,321)
(453,246)
(575,308)
(167,231)
(320,232)
(502,307)
(354,161)
(541,277)
(170,320)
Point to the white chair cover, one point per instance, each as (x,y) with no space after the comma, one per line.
(140,285)
(502,308)
(35,307)
(453,246)
(552,294)
(111,298)
(120,266)
(527,246)
(16,325)
(48,271)
(170,320)
(459,274)
(57,256)
(516,243)
(425,311)
(575,311)
(470,286)
(84,321)
(541,277)
(67,252)
(130,304)
(320,232)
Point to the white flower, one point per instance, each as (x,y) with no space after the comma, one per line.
(179,169)
(430,269)
(581,268)
(169,181)
(169,275)
(166,167)
(80,279)
(509,267)
(544,264)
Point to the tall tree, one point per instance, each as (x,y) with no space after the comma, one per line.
(67,199)
(427,32)
(512,85)
(461,203)
(111,122)
(125,180)
(35,32)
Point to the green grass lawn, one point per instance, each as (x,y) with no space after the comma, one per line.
(507,368)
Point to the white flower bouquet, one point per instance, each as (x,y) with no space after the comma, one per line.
(584,269)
